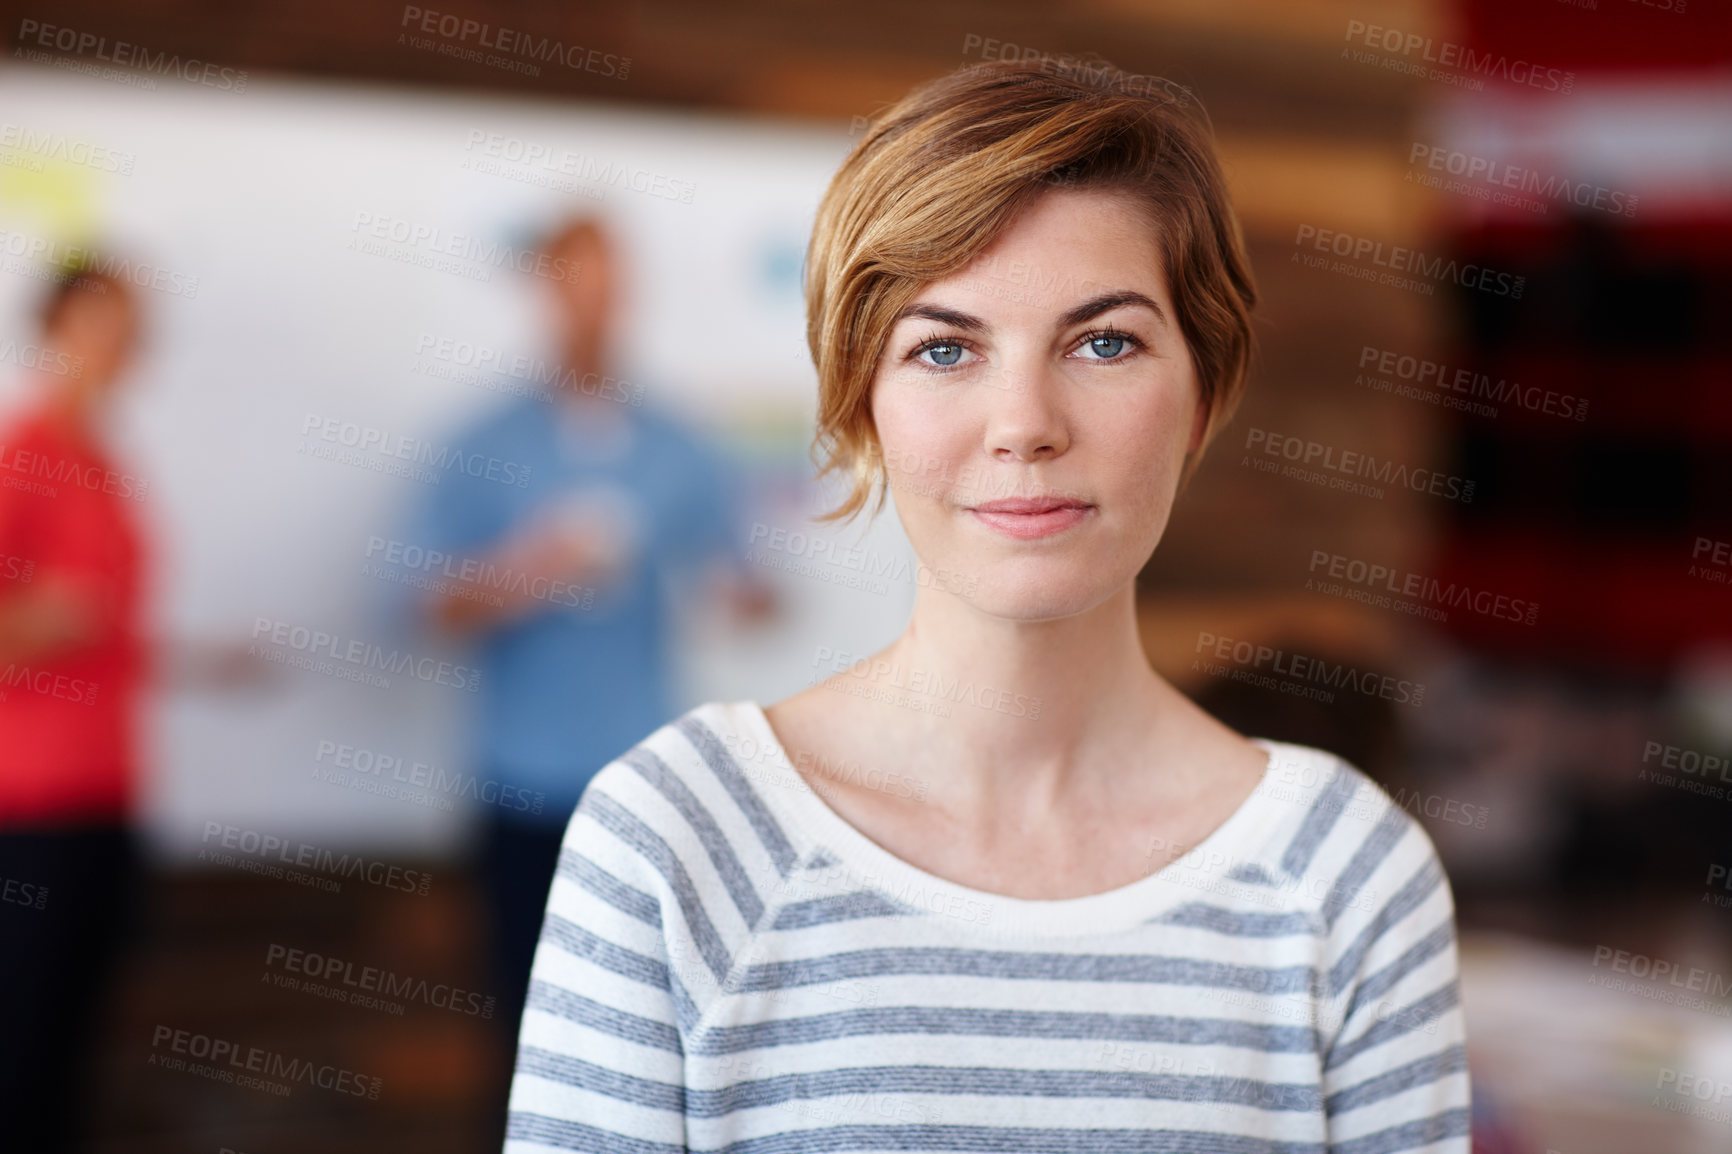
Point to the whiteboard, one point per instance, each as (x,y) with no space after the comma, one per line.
(247,207)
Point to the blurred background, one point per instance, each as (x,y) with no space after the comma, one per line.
(1493,242)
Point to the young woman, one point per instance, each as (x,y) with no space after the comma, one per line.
(1000,887)
(73,665)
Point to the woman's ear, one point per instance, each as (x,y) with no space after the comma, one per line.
(1199,425)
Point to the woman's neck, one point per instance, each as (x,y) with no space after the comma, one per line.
(1033,707)
(69,412)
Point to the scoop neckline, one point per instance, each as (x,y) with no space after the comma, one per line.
(993,914)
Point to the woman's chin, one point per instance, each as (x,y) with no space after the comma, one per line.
(1039,597)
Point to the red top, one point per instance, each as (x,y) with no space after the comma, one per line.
(67,718)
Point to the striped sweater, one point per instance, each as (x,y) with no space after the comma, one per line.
(727,964)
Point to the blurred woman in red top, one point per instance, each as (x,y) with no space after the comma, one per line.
(71,666)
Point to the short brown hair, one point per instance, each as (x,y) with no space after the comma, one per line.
(67,283)
(588,229)
(938,177)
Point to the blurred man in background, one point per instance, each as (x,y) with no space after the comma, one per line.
(71,666)
(570,611)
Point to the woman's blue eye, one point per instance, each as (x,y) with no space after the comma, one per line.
(1107,347)
(944,354)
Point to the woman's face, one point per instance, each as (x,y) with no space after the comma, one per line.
(1035,409)
(98,328)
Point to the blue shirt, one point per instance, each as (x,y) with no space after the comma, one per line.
(583,676)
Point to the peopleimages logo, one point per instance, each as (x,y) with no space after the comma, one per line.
(1430,595)
(1308,670)
(472,575)
(46,683)
(768,764)
(364,985)
(1651,969)
(912,892)
(1718,875)
(41,358)
(426,244)
(1684,1086)
(127,55)
(1348,463)
(42,474)
(1689,769)
(39,256)
(305,645)
(382,451)
(1718,553)
(54,146)
(1457,58)
(526,46)
(769,544)
(1399,259)
(270,850)
(876,673)
(365,770)
(545,377)
(1435,382)
(1091,71)
(23,893)
(230,1062)
(1494,177)
(513,153)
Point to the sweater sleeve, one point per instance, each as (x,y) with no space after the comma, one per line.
(1393,1048)
(600,1059)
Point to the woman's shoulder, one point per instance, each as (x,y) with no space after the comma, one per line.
(31,426)
(1333,828)
(699,785)
(1315,783)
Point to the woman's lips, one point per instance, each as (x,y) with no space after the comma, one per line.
(1030,517)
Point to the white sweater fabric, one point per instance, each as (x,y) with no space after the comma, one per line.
(728,965)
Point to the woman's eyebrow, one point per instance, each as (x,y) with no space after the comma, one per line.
(968,322)
(1086,311)
(1094,307)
